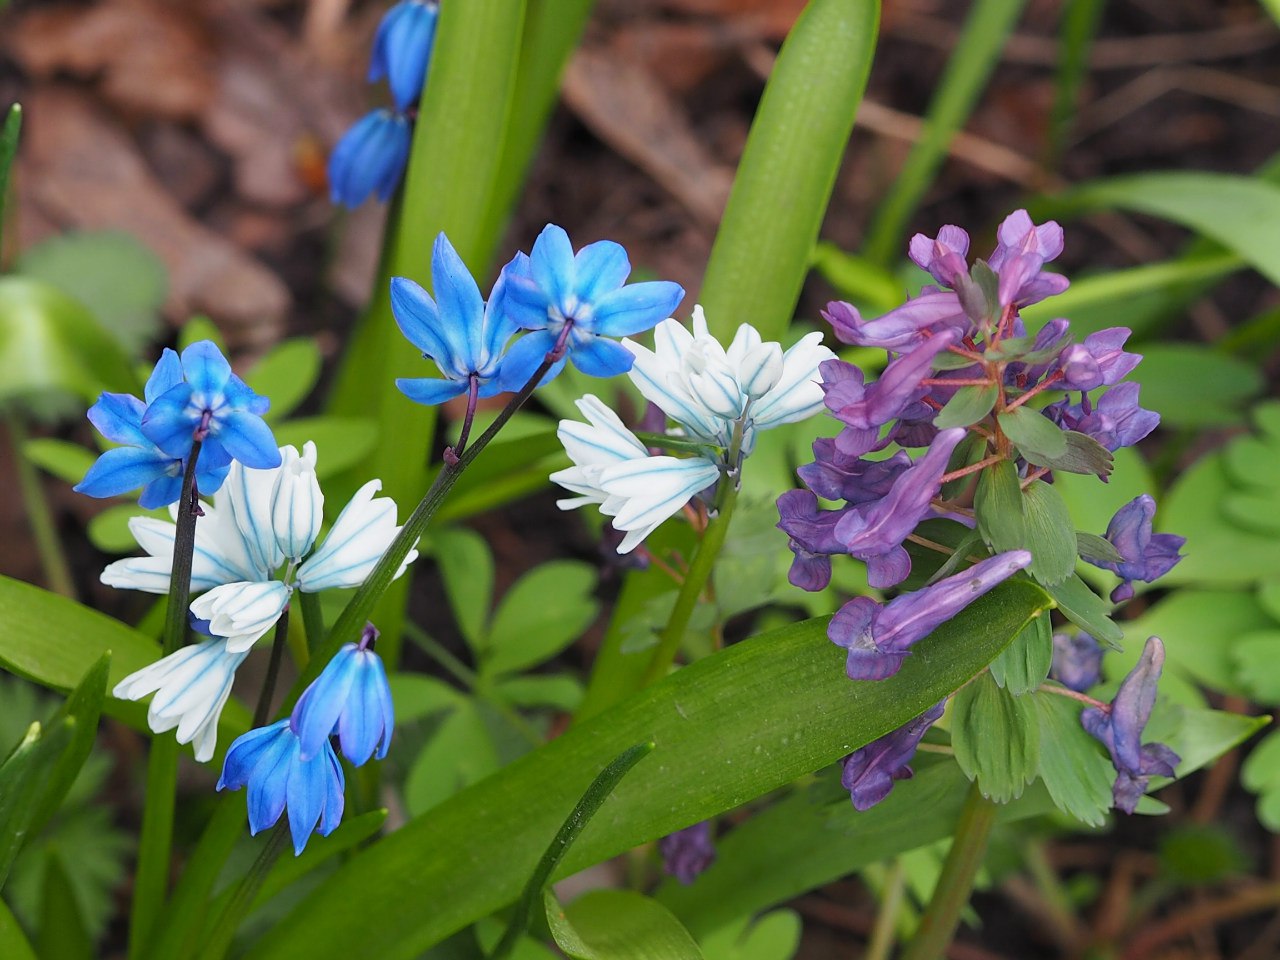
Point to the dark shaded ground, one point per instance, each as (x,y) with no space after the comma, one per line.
(203,129)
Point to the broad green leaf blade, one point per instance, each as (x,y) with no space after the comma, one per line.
(560,691)
(14,944)
(1223,384)
(416,696)
(619,925)
(1261,774)
(998,505)
(1024,664)
(1073,765)
(342,443)
(287,374)
(1238,212)
(459,753)
(545,611)
(66,461)
(788,168)
(774,936)
(996,739)
(803,843)
(1034,433)
(23,778)
(728,728)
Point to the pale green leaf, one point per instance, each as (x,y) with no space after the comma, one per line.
(287,374)
(996,739)
(619,925)
(466,567)
(1051,535)
(544,611)
(1073,765)
(1024,664)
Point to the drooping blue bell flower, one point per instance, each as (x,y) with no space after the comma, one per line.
(402,49)
(370,158)
(351,698)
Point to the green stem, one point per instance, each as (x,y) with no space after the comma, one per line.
(224,929)
(883,933)
(437,652)
(151,881)
(263,710)
(956,881)
(39,515)
(596,794)
(312,619)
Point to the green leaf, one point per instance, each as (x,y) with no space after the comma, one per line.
(341,442)
(459,753)
(66,461)
(1261,774)
(857,278)
(788,168)
(1197,735)
(1223,384)
(62,929)
(1092,547)
(619,925)
(1086,610)
(998,504)
(1051,536)
(774,936)
(14,944)
(967,405)
(54,357)
(416,696)
(1256,656)
(559,691)
(545,611)
(1083,455)
(1033,433)
(1238,212)
(287,374)
(114,275)
(1073,765)
(996,739)
(109,530)
(466,567)
(728,728)
(24,777)
(8,149)
(1023,665)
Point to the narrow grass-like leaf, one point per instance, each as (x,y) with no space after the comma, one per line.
(23,778)
(14,944)
(728,728)
(976,53)
(1080,19)
(788,168)
(62,929)
(8,148)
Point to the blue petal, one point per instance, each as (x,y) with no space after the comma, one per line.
(161,492)
(408,51)
(167,374)
(369,157)
(335,785)
(212,468)
(362,722)
(118,417)
(307,789)
(635,308)
(206,369)
(123,469)
(526,303)
(429,391)
(599,357)
(460,304)
(248,439)
(523,359)
(240,396)
(499,325)
(551,264)
(244,753)
(316,713)
(391,156)
(269,780)
(600,267)
(418,319)
(168,422)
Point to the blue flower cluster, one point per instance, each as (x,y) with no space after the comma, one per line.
(371,156)
(188,399)
(291,764)
(569,304)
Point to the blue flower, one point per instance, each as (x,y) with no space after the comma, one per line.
(141,463)
(268,761)
(351,698)
(1119,728)
(369,158)
(554,287)
(465,336)
(215,406)
(402,49)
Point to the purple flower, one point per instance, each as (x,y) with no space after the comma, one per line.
(902,327)
(1077,661)
(879,637)
(688,852)
(1119,727)
(1117,420)
(1099,361)
(870,771)
(943,257)
(870,407)
(873,532)
(812,539)
(350,698)
(835,475)
(1022,250)
(1146,556)
(268,761)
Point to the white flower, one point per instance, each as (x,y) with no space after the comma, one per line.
(260,521)
(613,469)
(191,687)
(707,389)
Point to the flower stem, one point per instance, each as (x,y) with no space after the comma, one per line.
(955,884)
(263,710)
(151,880)
(224,928)
(880,946)
(44,531)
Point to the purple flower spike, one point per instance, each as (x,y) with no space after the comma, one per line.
(1120,727)
(812,539)
(943,257)
(688,852)
(874,532)
(903,327)
(870,772)
(871,407)
(1099,361)
(1077,661)
(878,638)
(1147,556)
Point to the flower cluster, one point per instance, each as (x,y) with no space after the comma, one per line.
(996,410)
(371,156)
(718,398)
(188,400)
(291,764)
(255,545)
(569,304)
